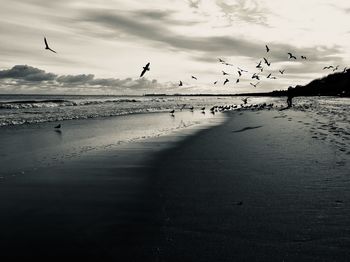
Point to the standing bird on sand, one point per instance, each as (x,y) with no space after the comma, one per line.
(145,69)
(58,126)
(226,81)
(47,46)
(180,83)
(193,77)
(267,49)
(291,56)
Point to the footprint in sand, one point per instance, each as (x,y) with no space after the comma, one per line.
(246,128)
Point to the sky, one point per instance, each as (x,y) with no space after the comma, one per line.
(103,45)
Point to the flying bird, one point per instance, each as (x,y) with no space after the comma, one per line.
(226,81)
(336,68)
(195,78)
(242,70)
(239,73)
(221,61)
(180,83)
(328,67)
(259,65)
(267,48)
(47,46)
(145,69)
(291,56)
(58,126)
(255,85)
(172,112)
(237,81)
(282,71)
(269,76)
(215,82)
(303,57)
(245,100)
(255,76)
(224,73)
(267,62)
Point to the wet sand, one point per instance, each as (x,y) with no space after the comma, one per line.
(259,187)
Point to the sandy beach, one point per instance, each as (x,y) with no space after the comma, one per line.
(262,186)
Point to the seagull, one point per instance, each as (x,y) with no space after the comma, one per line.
(203,108)
(239,73)
(267,48)
(345,70)
(194,77)
(336,68)
(291,56)
(47,46)
(215,82)
(145,69)
(282,71)
(237,80)
(259,65)
(245,100)
(221,61)
(180,83)
(255,76)
(58,126)
(240,69)
(269,76)
(224,73)
(255,84)
(226,81)
(303,57)
(328,67)
(172,112)
(267,62)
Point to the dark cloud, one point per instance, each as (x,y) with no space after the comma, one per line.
(126,23)
(27,73)
(23,75)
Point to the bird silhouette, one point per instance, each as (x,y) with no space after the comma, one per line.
(215,82)
(180,84)
(237,81)
(345,70)
(336,68)
(303,57)
(242,70)
(58,126)
(145,69)
(195,78)
(267,49)
(203,108)
(281,71)
(47,46)
(328,67)
(259,65)
(291,56)
(239,73)
(226,81)
(224,73)
(221,61)
(172,112)
(245,100)
(267,62)
(255,85)
(269,76)
(256,76)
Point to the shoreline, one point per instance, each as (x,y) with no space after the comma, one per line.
(252,188)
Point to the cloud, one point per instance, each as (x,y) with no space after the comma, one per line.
(28,76)
(243,10)
(26,73)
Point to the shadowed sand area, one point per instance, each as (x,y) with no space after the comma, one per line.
(258,187)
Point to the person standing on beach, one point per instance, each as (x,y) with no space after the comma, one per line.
(290,96)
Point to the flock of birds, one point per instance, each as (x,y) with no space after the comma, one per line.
(260,67)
